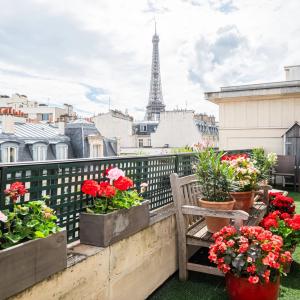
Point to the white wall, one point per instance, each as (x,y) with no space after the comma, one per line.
(114,127)
(176,128)
(257,122)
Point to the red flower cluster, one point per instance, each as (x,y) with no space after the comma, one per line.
(102,189)
(90,187)
(106,190)
(16,190)
(234,156)
(123,183)
(252,252)
(285,225)
(294,222)
(282,203)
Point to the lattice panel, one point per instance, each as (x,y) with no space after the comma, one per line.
(62,182)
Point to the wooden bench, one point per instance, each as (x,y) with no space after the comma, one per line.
(191,228)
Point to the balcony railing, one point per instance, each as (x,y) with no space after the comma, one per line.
(61,181)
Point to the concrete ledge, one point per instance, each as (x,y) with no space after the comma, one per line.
(127,269)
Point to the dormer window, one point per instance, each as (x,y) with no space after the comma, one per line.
(39,152)
(9,153)
(61,151)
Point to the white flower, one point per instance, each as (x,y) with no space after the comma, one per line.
(3,217)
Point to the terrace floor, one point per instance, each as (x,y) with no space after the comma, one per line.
(207,287)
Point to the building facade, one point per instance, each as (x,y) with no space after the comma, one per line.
(116,125)
(258,115)
(21,141)
(180,128)
(38,112)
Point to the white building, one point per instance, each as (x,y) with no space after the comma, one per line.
(258,115)
(116,124)
(180,128)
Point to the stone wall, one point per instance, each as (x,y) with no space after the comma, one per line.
(130,269)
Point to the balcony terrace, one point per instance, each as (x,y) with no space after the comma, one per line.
(139,267)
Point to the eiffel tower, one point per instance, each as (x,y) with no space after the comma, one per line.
(155,104)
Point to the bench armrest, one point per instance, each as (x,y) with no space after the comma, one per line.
(206,212)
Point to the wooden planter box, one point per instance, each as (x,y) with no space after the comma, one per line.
(23,265)
(103,230)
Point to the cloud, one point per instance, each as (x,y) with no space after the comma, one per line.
(231,59)
(83,52)
(224,6)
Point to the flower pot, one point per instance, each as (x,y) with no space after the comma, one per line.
(243,200)
(26,264)
(215,224)
(103,230)
(240,288)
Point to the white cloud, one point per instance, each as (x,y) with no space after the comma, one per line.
(84,51)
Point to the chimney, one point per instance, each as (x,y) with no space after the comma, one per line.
(8,125)
(61,128)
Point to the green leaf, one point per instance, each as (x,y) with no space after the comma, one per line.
(13,238)
(32,223)
(39,234)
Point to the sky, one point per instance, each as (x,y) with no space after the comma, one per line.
(85,52)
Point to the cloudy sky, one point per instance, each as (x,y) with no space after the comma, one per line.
(83,52)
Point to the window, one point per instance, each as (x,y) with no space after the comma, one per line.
(141,143)
(9,154)
(61,151)
(39,152)
(143,128)
(95,150)
(45,117)
(149,142)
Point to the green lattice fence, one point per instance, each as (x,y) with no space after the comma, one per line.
(62,181)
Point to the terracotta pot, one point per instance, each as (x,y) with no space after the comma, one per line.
(243,200)
(215,224)
(240,288)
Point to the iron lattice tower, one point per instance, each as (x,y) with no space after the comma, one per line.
(155,104)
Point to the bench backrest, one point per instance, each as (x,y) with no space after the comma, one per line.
(186,191)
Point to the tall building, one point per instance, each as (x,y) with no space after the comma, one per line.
(155,104)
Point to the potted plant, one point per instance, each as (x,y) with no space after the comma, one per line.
(216,182)
(32,246)
(287,226)
(116,212)
(246,176)
(264,163)
(251,259)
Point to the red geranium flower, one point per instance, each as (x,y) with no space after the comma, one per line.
(106,190)
(90,187)
(269,222)
(16,189)
(123,183)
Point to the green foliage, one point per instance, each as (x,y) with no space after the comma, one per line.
(122,199)
(27,222)
(215,177)
(263,162)
(290,237)
(185,149)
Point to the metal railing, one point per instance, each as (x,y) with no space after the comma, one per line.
(61,181)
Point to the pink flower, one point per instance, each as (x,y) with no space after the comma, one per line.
(114,174)
(3,217)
